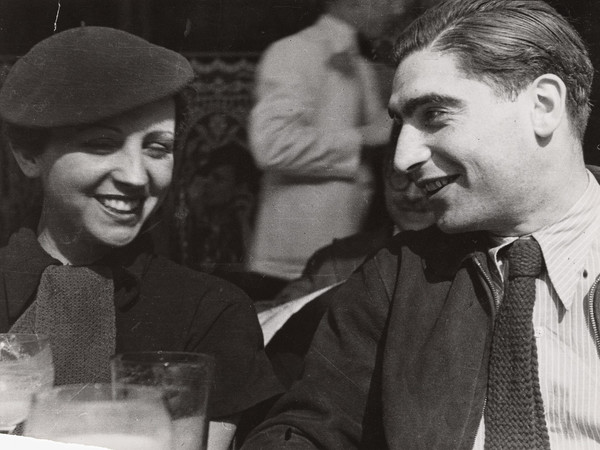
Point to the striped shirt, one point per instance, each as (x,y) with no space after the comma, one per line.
(569,362)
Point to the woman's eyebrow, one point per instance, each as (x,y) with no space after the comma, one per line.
(98,126)
(160,134)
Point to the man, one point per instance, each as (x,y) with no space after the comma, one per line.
(318,113)
(492,96)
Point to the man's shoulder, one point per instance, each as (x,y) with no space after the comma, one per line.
(430,248)
(359,244)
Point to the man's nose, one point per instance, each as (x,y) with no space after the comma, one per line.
(411,150)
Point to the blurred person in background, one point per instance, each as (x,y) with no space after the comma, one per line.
(407,209)
(222,201)
(317,120)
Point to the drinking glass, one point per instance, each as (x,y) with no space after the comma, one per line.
(113,417)
(186,379)
(25,368)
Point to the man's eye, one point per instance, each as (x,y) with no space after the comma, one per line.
(433,117)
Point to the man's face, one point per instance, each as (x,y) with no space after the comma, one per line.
(406,203)
(474,152)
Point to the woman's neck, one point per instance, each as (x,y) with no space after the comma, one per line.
(71,250)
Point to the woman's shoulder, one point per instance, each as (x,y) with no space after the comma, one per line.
(163,274)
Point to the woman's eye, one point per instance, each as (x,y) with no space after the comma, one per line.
(102,145)
(159,149)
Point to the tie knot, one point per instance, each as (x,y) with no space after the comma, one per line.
(525,258)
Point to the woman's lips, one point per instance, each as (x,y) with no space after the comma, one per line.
(120,204)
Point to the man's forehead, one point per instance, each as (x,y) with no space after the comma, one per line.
(430,75)
(426,67)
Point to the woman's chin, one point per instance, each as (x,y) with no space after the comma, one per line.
(115,238)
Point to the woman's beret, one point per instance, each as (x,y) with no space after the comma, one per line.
(83,75)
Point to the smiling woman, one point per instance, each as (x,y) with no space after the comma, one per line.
(102,181)
(91,112)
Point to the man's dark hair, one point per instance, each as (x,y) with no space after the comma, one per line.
(508,44)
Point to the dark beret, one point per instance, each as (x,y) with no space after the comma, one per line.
(86,74)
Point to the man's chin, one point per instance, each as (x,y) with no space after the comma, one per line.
(449,226)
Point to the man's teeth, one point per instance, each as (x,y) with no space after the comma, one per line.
(437,184)
(120,205)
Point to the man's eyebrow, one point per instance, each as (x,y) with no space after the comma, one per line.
(409,108)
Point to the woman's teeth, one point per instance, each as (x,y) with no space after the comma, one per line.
(120,205)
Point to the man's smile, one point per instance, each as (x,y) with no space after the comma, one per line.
(433,186)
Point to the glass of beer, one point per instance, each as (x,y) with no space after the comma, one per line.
(186,380)
(25,368)
(103,415)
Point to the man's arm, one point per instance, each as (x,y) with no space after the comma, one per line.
(284,129)
(334,405)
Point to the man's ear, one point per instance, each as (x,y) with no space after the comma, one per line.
(549,99)
(28,162)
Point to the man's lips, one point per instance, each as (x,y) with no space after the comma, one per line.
(433,186)
(120,204)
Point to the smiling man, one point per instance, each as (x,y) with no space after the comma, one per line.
(481,332)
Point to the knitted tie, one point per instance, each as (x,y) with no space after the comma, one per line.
(75,307)
(514,414)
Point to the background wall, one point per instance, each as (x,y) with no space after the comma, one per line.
(218,26)
(223,39)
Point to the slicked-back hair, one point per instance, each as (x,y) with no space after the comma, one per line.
(507,44)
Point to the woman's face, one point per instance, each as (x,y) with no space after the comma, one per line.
(102,181)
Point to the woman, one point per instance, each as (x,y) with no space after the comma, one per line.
(91,113)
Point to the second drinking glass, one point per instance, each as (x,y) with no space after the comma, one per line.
(186,379)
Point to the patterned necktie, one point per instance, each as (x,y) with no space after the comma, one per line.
(514,414)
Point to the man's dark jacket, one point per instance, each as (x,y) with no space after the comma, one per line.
(400,365)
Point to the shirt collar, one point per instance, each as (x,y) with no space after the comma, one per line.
(24,262)
(342,35)
(566,243)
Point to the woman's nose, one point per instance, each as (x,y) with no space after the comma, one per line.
(131,167)
(411,150)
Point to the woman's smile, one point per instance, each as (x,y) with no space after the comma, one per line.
(119,204)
